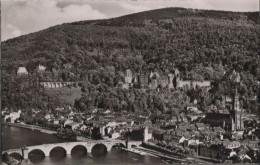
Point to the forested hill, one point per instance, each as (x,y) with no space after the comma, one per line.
(201,44)
(172,13)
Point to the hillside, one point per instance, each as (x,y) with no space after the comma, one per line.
(200,43)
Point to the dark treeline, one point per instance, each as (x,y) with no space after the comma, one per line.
(203,45)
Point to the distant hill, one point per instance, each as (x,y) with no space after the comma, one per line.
(199,43)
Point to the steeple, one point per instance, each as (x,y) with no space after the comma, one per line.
(239,125)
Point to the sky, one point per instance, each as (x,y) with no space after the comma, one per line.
(23,17)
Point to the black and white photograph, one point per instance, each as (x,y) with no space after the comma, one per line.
(131,82)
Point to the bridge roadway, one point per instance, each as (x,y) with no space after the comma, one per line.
(68,146)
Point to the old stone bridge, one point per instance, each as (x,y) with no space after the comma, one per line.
(68,146)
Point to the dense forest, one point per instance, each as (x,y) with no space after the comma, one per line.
(202,44)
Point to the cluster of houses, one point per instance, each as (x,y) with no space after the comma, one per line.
(12,116)
(203,140)
(157,80)
(194,135)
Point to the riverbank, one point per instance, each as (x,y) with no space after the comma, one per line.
(174,156)
(31,127)
(136,151)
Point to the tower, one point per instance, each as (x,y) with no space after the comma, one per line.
(177,82)
(129,76)
(143,79)
(176,78)
(239,125)
(170,80)
(147,135)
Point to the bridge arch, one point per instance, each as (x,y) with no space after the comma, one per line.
(133,146)
(32,152)
(117,144)
(79,147)
(106,147)
(53,150)
(16,155)
(36,155)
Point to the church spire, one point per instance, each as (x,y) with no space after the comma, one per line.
(239,125)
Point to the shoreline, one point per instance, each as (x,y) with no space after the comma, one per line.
(31,127)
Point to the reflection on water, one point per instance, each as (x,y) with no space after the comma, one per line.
(114,157)
(18,137)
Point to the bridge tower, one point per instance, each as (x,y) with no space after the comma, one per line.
(147,135)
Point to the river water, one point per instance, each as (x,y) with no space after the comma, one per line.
(13,137)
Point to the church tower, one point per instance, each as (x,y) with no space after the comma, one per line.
(239,125)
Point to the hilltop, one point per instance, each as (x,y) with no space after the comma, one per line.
(200,43)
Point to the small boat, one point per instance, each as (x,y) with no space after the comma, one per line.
(90,156)
(134,159)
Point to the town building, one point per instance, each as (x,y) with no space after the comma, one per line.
(113,134)
(72,125)
(41,68)
(231,121)
(22,71)
(12,117)
(190,84)
(224,121)
(214,151)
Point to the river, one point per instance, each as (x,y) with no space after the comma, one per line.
(13,137)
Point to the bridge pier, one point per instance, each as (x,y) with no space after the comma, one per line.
(25,153)
(109,148)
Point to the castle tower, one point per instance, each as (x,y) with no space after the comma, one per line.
(239,125)
(176,78)
(177,82)
(143,79)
